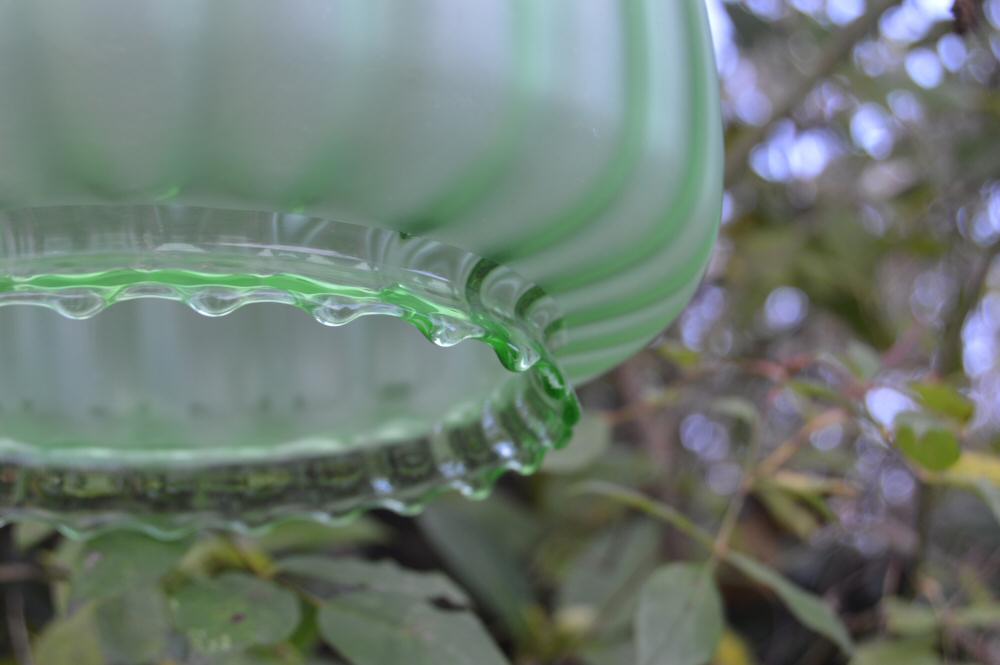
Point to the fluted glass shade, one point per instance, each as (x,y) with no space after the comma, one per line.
(310,257)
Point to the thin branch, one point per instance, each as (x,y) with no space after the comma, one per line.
(784,452)
(949,359)
(836,50)
(17,627)
(18,571)
(647,414)
(728,525)
(642,503)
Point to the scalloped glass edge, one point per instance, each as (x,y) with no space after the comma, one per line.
(344,271)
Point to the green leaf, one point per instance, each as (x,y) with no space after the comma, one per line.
(372,628)
(945,401)
(608,654)
(925,442)
(896,652)
(679,620)
(737,408)
(678,354)
(303,535)
(797,500)
(784,507)
(591,439)
(602,577)
(990,495)
(733,650)
(258,656)
(908,618)
(622,464)
(70,641)
(386,576)
(808,485)
(28,534)
(807,608)
(119,560)
(478,550)
(651,507)
(978,472)
(234,611)
(862,360)
(133,626)
(982,615)
(814,390)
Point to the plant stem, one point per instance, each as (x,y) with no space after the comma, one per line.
(17,628)
(18,571)
(649,506)
(833,55)
(949,359)
(729,519)
(784,452)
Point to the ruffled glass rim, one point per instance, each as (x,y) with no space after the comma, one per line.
(80,260)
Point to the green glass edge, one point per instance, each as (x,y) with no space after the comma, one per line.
(113,286)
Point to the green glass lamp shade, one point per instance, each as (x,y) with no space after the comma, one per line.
(310,257)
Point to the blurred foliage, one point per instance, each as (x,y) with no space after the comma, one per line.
(804,469)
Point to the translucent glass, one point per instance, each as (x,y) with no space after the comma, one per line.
(264,259)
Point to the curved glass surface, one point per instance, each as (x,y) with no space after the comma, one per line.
(318,256)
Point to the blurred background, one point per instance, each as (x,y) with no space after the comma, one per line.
(827,409)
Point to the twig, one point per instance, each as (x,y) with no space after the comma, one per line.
(654,429)
(638,405)
(974,645)
(246,559)
(966,15)
(784,452)
(834,54)
(17,628)
(17,571)
(735,507)
(642,503)
(641,409)
(949,359)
